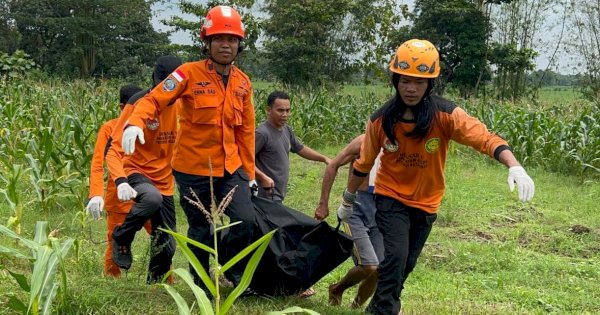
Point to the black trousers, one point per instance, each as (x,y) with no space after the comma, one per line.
(405,231)
(240,209)
(160,210)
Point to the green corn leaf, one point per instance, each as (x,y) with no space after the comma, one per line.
(13,252)
(40,232)
(10,233)
(189,240)
(52,265)
(251,266)
(193,260)
(265,238)
(202,300)
(43,254)
(227,226)
(48,298)
(21,280)
(182,305)
(16,304)
(64,249)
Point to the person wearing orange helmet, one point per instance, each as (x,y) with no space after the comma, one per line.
(414,129)
(216,135)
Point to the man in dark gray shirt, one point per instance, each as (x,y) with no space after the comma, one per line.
(274,141)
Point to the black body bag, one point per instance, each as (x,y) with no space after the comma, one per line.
(301,252)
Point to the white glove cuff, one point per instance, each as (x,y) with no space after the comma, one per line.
(516,168)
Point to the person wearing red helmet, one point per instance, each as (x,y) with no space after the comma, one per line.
(414,129)
(216,135)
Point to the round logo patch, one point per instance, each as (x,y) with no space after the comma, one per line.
(152,124)
(169,85)
(432,145)
(389,146)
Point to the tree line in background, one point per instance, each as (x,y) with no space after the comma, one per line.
(83,38)
(302,42)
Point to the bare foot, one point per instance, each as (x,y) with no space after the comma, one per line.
(308,293)
(335,297)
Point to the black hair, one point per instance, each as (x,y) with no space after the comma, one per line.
(424,113)
(127,92)
(276,95)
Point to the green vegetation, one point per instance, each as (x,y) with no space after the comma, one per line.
(257,248)
(559,139)
(488,253)
(46,257)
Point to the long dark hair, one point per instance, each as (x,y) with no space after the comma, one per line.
(424,113)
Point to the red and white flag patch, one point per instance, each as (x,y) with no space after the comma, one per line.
(178,75)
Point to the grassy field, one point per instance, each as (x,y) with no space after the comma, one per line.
(488,253)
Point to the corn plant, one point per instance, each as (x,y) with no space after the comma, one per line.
(320,117)
(183,242)
(49,187)
(47,255)
(204,304)
(564,139)
(13,195)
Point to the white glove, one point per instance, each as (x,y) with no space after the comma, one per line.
(253,187)
(344,211)
(517,174)
(131,134)
(95,206)
(126,192)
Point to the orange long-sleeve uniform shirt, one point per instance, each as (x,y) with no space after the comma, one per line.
(111,202)
(412,171)
(216,122)
(153,158)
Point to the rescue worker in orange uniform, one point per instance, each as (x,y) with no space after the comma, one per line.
(115,210)
(216,125)
(414,129)
(146,178)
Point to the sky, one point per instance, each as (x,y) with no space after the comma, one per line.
(548,36)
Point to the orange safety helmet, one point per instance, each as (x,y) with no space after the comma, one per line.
(416,58)
(222,19)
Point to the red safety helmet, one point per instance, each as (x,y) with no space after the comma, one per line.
(222,19)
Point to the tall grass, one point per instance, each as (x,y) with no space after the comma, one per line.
(320,118)
(558,139)
(48,129)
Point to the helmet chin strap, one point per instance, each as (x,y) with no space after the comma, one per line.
(222,64)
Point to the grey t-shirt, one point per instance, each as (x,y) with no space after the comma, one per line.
(272,156)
